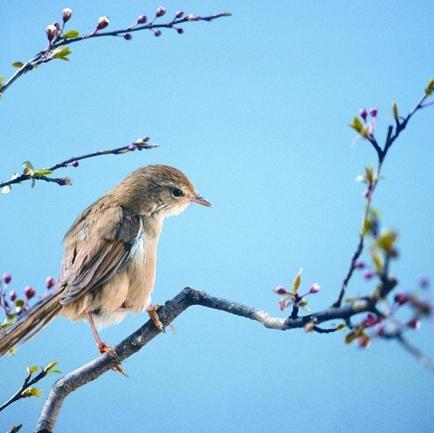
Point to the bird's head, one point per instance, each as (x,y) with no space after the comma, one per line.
(158,189)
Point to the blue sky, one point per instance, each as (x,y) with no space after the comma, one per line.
(254,108)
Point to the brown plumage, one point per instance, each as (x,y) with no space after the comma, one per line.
(109,262)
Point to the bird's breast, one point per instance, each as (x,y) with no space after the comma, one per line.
(141,273)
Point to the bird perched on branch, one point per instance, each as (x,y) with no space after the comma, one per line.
(109,262)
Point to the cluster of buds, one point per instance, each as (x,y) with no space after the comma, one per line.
(54,31)
(14,306)
(365,127)
(160,12)
(388,323)
(292,297)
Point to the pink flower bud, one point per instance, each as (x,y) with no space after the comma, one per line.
(279,290)
(179,14)
(75,163)
(50,282)
(315,288)
(103,22)
(401,298)
(359,265)
(128,36)
(363,341)
(29,291)
(371,320)
(66,14)
(157,33)
(373,112)
(415,324)
(142,19)
(51,32)
(180,31)
(363,113)
(13,295)
(368,275)
(7,278)
(160,12)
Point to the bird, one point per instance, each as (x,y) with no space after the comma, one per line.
(109,261)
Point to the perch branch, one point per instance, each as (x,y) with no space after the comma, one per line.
(172,309)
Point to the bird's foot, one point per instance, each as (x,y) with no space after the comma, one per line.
(153,315)
(105,348)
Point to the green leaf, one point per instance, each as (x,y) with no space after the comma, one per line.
(7,324)
(350,337)
(1,80)
(18,64)
(19,303)
(32,369)
(429,88)
(387,240)
(61,53)
(71,34)
(297,281)
(395,111)
(42,172)
(31,392)
(378,261)
(50,366)
(357,125)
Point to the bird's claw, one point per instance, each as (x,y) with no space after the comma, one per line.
(153,315)
(105,348)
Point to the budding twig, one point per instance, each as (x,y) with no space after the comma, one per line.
(57,39)
(33,175)
(393,133)
(26,389)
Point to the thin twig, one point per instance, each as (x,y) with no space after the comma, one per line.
(392,135)
(15,428)
(44,56)
(28,382)
(68,162)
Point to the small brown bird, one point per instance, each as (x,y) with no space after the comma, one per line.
(109,262)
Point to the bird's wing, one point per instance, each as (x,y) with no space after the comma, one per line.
(97,246)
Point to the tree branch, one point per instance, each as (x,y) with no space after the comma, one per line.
(392,134)
(31,174)
(172,309)
(47,55)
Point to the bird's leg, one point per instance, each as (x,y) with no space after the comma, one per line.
(105,348)
(153,315)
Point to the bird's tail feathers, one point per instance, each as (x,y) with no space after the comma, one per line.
(37,318)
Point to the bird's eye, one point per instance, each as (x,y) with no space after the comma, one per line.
(176,192)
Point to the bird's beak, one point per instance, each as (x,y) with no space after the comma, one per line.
(200,200)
